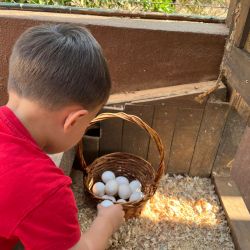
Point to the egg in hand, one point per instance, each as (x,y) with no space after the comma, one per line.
(106,203)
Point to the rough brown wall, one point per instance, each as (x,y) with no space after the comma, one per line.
(141,54)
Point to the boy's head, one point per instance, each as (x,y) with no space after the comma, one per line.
(60,66)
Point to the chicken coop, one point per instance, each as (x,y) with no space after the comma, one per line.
(188,78)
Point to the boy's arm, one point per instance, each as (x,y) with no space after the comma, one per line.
(107,221)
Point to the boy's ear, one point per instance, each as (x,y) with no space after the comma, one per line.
(72,118)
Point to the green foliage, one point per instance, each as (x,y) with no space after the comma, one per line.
(198,7)
(140,5)
(159,6)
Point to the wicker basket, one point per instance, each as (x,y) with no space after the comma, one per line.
(125,164)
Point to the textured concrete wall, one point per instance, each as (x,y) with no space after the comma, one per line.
(141,54)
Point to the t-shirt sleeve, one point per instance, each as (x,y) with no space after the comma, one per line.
(52,225)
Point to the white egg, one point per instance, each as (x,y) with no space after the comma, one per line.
(136,196)
(108,176)
(106,203)
(121,201)
(124,191)
(135,185)
(98,189)
(111,187)
(108,197)
(122,180)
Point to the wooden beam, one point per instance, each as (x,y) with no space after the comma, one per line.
(246,30)
(241,23)
(164,94)
(241,167)
(236,211)
(237,65)
(230,13)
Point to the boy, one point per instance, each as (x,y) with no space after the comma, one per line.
(58,81)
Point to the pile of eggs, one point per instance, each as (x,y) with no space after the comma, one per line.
(117,189)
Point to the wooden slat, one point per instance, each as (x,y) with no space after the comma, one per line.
(134,139)
(209,137)
(237,72)
(241,23)
(185,136)
(164,124)
(230,13)
(163,94)
(241,167)
(240,105)
(236,211)
(247,43)
(186,100)
(246,30)
(234,129)
(111,133)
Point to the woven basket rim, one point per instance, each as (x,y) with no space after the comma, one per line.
(138,121)
(88,168)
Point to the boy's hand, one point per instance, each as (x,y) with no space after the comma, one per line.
(114,215)
(96,238)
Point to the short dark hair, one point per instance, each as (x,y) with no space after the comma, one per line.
(59,64)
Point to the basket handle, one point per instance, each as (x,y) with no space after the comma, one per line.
(134,119)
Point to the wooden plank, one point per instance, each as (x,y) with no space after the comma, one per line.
(234,129)
(246,30)
(241,167)
(209,137)
(236,211)
(111,133)
(90,148)
(164,124)
(240,105)
(241,22)
(247,43)
(185,136)
(134,139)
(187,99)
(230,13)
(237,72)
(162,94)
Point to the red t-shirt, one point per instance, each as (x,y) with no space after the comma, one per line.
(37,206)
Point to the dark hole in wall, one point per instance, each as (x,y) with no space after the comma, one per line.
(229,89)
(90,143)
(94,131)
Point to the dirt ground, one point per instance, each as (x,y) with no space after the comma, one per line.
(184,214)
